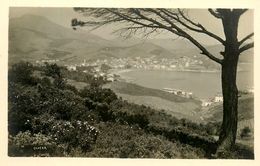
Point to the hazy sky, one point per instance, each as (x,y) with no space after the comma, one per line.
(63,17)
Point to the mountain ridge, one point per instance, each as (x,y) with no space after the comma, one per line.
(33,37)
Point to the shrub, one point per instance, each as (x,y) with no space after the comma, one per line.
(63,104)
(90,104)
(28,144)
(245,132)
(43,123)
(124,141)
(136,119)
(55,71)
(52,70)
(98,94)
(104,112)
(75,134)
(22,73)
(23,106)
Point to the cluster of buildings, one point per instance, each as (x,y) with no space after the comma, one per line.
(219,98)
(98,69)
(216,99)
(152,63)
(149,63)
(94,68)
(43,61)
(178,92)
(204,103)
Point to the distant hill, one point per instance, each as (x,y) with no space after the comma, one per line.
(166,43)
(194,53)
(181,47)
(34,38)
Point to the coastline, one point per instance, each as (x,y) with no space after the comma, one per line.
(120,71)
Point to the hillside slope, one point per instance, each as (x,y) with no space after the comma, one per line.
(35,37)
(245,109)
(174,105)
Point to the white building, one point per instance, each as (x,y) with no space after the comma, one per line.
(218,99)
(72,68)
(178,92)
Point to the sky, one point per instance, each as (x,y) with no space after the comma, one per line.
(63,17)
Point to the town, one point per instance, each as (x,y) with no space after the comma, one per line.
(102,67)
(149,63)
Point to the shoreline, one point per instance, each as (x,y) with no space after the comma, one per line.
(120,71)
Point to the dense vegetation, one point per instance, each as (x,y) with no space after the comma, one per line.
(48,117)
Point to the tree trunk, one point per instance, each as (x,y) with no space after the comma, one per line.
(228,131)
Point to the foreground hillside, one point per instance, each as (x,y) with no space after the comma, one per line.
(189,109)
(49,117)
(245,109)
(245,117)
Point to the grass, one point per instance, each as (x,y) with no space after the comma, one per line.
(78,85)
(179,110)
(174,105)
(245,147)
(245,109)
(136,90)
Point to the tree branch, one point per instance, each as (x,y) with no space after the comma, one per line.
(152,19)
(239,12)
(203,29)
(159,25)
(246,47)
(204,51)
(191,39)
(131,19)
(215,14)
(246,38)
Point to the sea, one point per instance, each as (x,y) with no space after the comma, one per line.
(203,85)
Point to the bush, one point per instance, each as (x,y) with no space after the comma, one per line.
(63,104)
(98,94)
(23,106)
(55,71)
(104,112)
(22,73)
(124,141)
(28,144)
(52,70)
(245,132)
(75,134)
(43,123)
(135,119)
